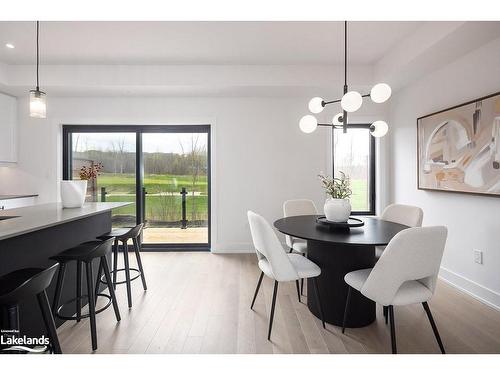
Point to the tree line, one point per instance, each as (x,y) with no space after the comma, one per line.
(192,163)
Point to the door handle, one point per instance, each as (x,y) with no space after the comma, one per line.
(143,213)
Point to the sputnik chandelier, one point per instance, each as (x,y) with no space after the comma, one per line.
(350,102)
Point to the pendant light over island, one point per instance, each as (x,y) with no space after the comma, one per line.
(38,99)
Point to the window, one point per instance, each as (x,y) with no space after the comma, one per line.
(354,154)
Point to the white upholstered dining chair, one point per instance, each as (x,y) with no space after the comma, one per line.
(277,264)
(405,214)
(298,207)
(410,216)
(405,274)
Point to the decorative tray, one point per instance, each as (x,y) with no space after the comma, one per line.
(352,222)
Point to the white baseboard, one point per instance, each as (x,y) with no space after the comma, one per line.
(475,290)
(233,248)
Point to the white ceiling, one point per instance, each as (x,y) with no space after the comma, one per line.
(278,59)
(266,43)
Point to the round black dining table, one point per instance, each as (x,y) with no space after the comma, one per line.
(338,252)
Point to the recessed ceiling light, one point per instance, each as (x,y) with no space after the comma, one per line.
(10,45)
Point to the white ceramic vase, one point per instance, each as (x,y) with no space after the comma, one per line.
(73,193)
(337,210)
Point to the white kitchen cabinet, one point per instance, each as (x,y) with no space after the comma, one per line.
(8,129)
(7,204)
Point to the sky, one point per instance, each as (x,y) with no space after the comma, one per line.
(359,140)
(152,142)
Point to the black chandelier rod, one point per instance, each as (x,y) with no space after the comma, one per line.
(324,103)
(338,100)
(344,113)
(341,126)
(331,101)
(345,54)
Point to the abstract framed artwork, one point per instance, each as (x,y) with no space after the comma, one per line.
(458,149)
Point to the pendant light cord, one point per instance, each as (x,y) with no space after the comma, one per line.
(37,57)
(345,53)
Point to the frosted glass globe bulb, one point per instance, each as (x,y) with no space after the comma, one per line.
(351,101)
(316,105)
(308,123)
(380,92)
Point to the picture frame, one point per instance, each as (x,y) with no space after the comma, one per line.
(458,148)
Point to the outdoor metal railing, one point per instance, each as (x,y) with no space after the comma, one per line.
(103,194)
(184,220)
(183,193)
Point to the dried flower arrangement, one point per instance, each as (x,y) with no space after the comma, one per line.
(90,173)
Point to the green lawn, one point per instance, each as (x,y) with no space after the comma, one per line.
(163,203)
(125,183)
(359,198)
(164,208)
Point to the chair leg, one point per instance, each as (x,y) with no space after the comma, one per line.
(59,285)
(393,329)
(346,309)
(139,262)
(115,261)
(98,281)
(298,289)
(271,317)
(385,314)
(78,290)
(9,321)
(48,320)
(302,281)
(107,275)
(127,272)
(318,301)
(434,327)
(90,291)
(12,318)
(257,289)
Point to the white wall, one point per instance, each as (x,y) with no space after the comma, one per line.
(260,156)
(473,221)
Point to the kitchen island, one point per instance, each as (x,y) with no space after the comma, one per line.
(29,236)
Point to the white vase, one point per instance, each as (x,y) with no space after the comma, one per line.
(73,193)
(337,210)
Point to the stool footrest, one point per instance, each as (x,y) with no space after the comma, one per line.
(83,316)
(103,277)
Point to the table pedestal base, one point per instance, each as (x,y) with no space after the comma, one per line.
(335,261)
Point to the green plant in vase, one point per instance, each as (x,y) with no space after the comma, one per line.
(337,206)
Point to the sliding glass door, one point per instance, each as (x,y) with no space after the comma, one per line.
(175,187)
(163,170)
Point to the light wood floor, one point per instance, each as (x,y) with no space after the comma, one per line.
(199,303)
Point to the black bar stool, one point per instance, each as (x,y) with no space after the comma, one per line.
(86,253)
(28,283)
(123,235)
